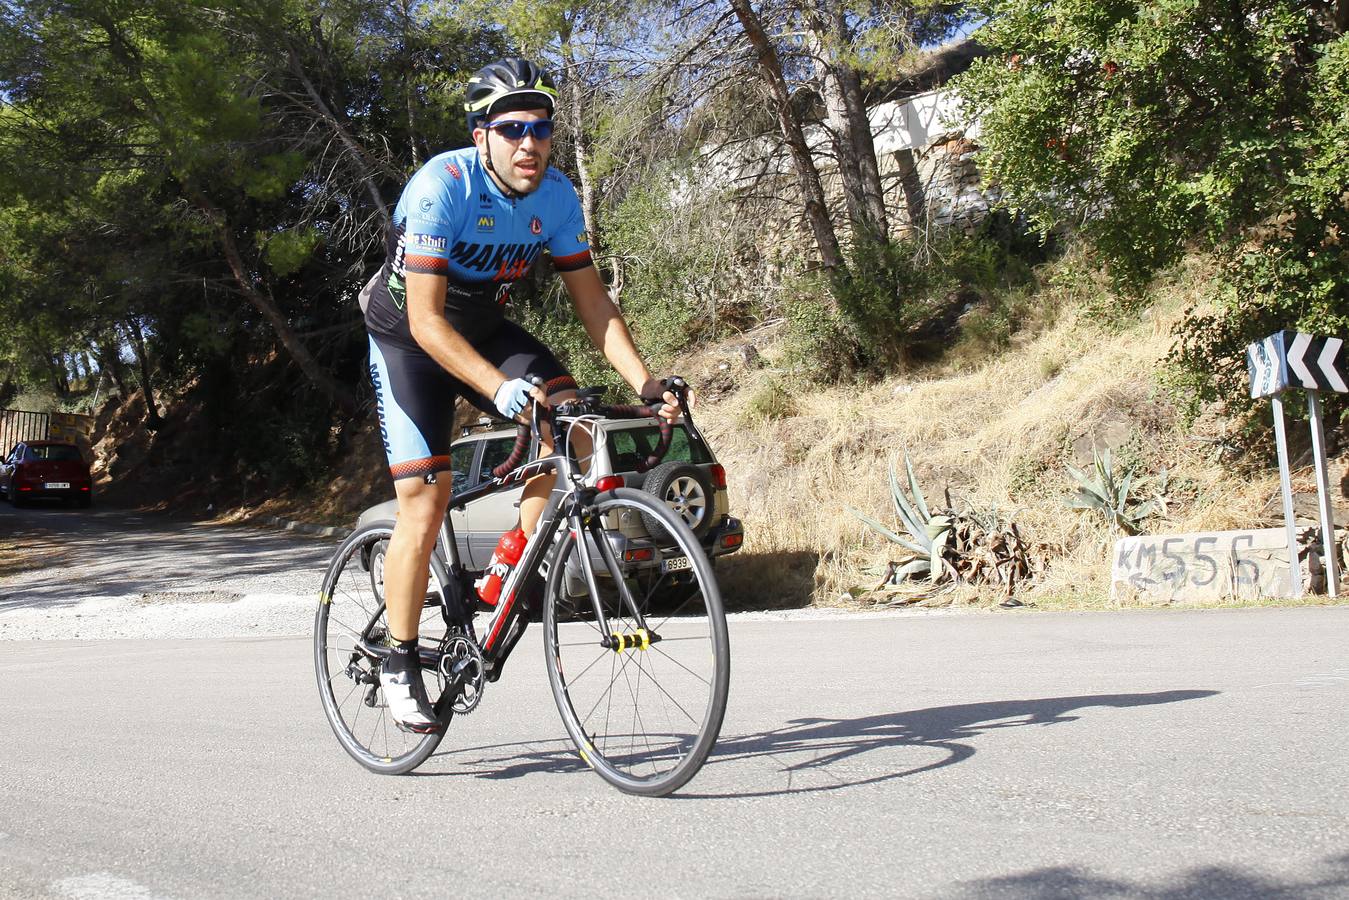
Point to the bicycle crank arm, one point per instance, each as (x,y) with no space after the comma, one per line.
(428,656)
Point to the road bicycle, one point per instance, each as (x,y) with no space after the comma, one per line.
(634,632)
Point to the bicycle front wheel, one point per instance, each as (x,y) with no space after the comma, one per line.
(351,614)
(643,706)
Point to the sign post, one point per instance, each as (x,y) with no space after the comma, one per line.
(1286,484)
(1291,359)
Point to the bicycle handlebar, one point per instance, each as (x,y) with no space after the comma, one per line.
(589,405)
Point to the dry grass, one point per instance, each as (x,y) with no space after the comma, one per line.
(997,433)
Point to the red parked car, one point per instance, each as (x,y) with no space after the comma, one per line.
(37,469)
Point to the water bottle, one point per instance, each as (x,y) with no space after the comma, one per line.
(508,552)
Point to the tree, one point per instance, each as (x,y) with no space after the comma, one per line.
(793,134)
(830,42)
(1158,125)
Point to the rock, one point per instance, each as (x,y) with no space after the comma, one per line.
(1208,566)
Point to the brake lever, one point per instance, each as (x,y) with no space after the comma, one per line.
(680,388)
(537,382)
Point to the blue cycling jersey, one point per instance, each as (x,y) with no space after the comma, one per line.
(453,220)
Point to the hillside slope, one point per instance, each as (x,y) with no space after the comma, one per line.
(996,427)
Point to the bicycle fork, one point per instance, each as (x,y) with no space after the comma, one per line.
(593,532)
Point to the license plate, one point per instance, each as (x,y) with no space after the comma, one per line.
(57,485)
(676,563)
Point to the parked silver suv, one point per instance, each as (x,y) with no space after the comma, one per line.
(690,480)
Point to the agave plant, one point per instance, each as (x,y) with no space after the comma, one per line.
(971,546)
(927,535)
(1110,493)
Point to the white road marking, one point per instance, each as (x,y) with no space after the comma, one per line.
(1328,679)
(102,886)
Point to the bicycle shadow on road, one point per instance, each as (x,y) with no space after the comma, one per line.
(827,742)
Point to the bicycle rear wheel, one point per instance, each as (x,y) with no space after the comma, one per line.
(643,710)
(351,609)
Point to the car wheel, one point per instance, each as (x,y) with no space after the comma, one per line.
(687,490)
(376,568)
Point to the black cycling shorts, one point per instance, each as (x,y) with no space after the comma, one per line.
(415,396)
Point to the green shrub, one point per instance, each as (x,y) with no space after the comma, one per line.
(683,261)
(1157,127)
(770,401)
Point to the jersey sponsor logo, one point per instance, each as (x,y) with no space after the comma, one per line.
(425,204)
(454,171)
(431,242)
(485,199)
(379,407)
(582,238)
(535,225)
(487,223)
(398,292)
(506,262)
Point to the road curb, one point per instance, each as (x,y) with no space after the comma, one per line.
(302,527)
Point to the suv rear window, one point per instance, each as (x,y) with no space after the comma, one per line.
(56,452)
(629,446)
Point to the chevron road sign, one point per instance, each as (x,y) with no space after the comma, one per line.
(1292,359)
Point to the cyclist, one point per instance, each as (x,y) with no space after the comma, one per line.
(468,225)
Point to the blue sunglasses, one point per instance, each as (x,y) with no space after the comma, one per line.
(515,130)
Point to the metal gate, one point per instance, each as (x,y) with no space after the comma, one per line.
(19,425)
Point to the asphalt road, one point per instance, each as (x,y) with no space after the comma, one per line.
(1023,755)
(109,573)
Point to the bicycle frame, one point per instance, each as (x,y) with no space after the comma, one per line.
(565,505)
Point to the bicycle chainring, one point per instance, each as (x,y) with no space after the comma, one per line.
(457,649)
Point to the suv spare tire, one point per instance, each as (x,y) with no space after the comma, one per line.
(687,490)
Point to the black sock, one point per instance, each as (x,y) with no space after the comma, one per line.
(403,657)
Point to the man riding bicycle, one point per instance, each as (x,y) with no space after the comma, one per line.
(468,225)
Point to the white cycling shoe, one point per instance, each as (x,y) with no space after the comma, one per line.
(405,696)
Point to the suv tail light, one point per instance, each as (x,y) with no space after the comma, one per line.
(718,475)
(732,540)
(644,554)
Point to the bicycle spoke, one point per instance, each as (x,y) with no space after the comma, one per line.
(676,703)
(637,710)
(682,666)
(669,725)
(579,675)
(607,692)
